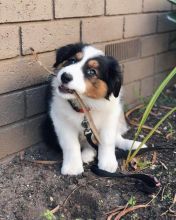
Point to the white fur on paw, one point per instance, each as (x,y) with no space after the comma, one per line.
(88,155)
(136,145)
(109,165)
(72,169)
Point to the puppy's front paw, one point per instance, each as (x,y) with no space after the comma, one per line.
(72,169)
(109,165)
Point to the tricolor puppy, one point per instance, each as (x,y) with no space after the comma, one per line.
(97,79)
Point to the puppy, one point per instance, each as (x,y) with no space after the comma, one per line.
(97,79)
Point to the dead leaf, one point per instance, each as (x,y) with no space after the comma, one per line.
(154,157)
(133,164)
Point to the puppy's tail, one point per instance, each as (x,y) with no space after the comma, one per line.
(126,144)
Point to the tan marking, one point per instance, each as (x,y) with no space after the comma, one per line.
(93,64)
(96,88)
(79,56)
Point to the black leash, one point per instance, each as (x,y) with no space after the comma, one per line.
(148,183)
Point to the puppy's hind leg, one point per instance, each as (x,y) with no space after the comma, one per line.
(126,144)
(88,153)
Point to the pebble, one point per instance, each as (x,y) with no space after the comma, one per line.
(51,199)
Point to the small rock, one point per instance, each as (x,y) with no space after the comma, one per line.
(51,199)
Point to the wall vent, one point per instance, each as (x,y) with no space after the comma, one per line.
(124,50)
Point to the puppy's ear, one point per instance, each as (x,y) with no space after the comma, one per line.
(114,76)
(66,52)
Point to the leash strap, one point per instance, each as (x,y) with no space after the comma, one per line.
(88,133)
(148,183)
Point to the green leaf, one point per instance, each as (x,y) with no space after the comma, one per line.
(172,17)
(173,1)
(150,106)
(151,133)
(48,215)
(132,201)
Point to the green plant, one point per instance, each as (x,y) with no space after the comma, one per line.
(48,215)
(146,114)
(132,201)
(143,164)
(171,129)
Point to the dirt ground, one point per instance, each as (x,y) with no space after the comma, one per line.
(28,189)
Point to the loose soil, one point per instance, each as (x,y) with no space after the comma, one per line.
(28,189)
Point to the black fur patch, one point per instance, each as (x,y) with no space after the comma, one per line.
(47,128)
(64,53)
(109,71)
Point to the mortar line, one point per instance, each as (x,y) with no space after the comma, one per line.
(20,42)
(80,31)
(105,4)
(53,9)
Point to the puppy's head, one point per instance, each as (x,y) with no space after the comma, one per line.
(88,71)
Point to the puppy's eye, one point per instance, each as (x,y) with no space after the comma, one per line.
(72,60)
(91,72)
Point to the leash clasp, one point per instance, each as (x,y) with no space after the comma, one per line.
(85,124)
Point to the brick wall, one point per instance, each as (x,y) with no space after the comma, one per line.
(48,24)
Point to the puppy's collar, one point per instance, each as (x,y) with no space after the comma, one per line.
(76,106)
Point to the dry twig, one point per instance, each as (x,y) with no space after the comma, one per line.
(44,162)
(170,210)
(130,209)
(132,122)
(154,157)
(39,62)
(164,165)
(166,107)
(116,211)
(118,214)
(170,135)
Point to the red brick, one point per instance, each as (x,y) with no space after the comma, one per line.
(28,10)
(9,36)
(138,69)
(36,100)
(132,92)
(147,86)
(12,107)
(115,7)
(156,5)
(102,29)
(24,71)
(78,8)
(19,136)
(136,25)
(154,44)
(48,36)
(165,61)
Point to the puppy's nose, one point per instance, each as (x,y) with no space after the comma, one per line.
(66,77)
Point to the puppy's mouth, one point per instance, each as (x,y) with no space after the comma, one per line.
(65,90)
